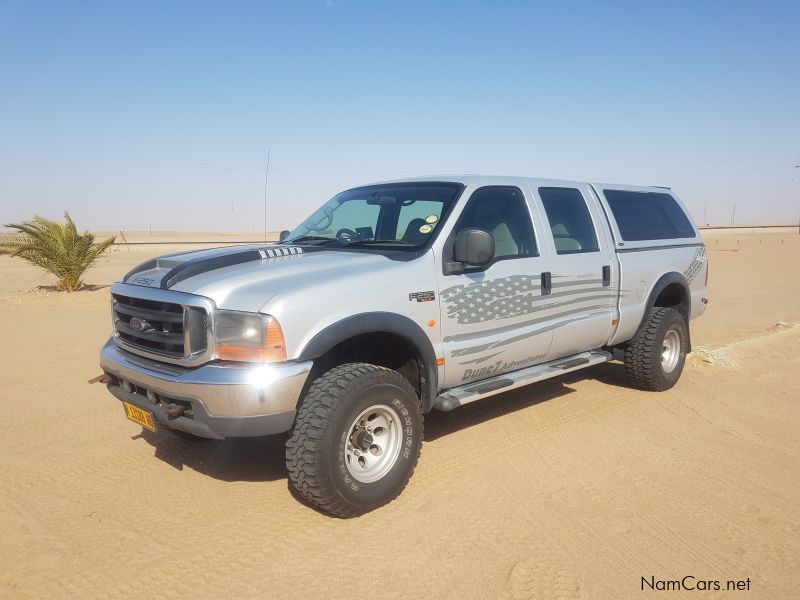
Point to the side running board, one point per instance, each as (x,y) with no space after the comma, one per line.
(455,397)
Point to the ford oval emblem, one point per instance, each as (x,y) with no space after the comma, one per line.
(138,324)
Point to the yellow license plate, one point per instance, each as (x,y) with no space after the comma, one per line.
(137,415)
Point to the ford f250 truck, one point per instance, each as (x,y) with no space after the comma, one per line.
(396,299)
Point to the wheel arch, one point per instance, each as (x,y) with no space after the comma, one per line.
(671,290)
(382,328)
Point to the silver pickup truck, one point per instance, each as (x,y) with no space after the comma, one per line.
(398,298)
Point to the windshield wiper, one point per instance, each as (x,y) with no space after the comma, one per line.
(368,242)
(310,238)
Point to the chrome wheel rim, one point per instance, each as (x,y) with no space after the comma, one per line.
(670,351)
(373,443)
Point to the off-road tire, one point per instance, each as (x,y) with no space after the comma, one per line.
(643,356)
(315,450)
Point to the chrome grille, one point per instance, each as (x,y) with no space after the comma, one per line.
(161,328)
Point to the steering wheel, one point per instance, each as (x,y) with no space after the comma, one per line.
(346,235)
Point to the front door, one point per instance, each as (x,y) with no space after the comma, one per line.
(493,319)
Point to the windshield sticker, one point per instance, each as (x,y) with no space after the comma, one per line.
(431,219)
(425,229)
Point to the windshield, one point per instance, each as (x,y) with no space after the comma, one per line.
(394,216)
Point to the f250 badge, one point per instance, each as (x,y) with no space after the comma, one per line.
(422,296)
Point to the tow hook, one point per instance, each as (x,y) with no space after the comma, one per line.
(104,378)
(174,410)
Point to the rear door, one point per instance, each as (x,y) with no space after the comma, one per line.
(584,278)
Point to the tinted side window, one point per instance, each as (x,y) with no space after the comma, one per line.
(648,215)
(570,221)
(503,212)
(680,222)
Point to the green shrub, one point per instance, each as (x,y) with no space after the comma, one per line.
(55,247)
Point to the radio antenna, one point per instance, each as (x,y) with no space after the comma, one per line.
(266,180)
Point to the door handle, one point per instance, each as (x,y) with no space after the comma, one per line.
(606,275)
(547,284)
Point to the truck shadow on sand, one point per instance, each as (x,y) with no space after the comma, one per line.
(235,459)
(262,459)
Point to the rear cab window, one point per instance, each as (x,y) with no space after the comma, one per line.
(570,220)
(648,216)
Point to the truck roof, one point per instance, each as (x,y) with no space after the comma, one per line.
(471,179)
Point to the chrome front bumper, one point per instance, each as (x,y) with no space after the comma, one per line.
(227,399)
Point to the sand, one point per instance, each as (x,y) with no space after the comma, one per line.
(577,487)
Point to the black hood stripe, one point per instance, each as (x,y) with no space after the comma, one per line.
(197,266)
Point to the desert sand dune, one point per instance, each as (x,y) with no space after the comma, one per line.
(576,487)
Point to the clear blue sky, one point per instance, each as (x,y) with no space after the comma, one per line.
(160,113)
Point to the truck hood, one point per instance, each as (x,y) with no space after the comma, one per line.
(246,277)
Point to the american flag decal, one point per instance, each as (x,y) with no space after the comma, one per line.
(516,296)
(493,299)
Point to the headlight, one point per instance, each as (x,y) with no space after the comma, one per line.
(248,337)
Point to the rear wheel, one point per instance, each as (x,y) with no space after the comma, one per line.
(655,357)
(356,439)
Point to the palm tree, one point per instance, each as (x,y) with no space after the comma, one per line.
(55,247)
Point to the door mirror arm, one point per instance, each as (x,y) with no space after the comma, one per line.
(453,268)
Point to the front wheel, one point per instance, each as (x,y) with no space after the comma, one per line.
(655,357)
(356,439)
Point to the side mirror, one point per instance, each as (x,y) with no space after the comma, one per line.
(474,247)
(283,235)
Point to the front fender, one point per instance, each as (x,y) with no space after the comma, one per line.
(380,322)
